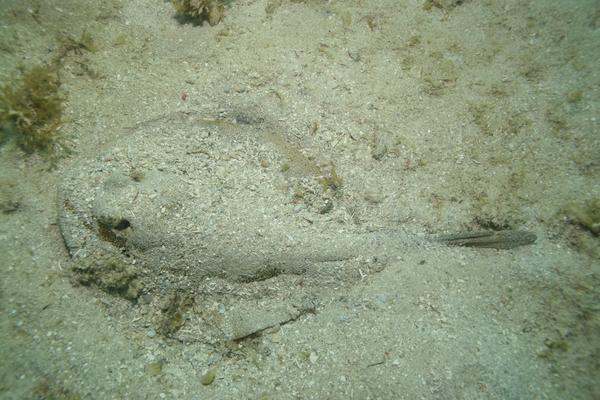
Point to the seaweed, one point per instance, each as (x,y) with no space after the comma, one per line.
(31,111)
(200,10)
(50,388)
(173,312)
(441,4)
(110,273)
(585,214)
(70,44)
(10,201)
(332,181)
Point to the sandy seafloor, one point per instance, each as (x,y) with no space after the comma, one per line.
(446,119)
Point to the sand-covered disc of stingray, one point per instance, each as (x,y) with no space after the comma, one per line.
(184,199)
(227,215)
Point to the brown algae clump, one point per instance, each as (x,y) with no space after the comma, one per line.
(200,10)
(31,110)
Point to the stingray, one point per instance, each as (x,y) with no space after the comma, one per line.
(183,199)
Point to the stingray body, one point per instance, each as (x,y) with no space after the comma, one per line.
(208,210)
(200,198)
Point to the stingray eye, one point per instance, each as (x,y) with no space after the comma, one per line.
(114,223)
(122,224)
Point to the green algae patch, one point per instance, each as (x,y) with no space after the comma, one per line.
(31,110)
(209,377)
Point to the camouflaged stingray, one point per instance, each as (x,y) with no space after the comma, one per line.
(184,199)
